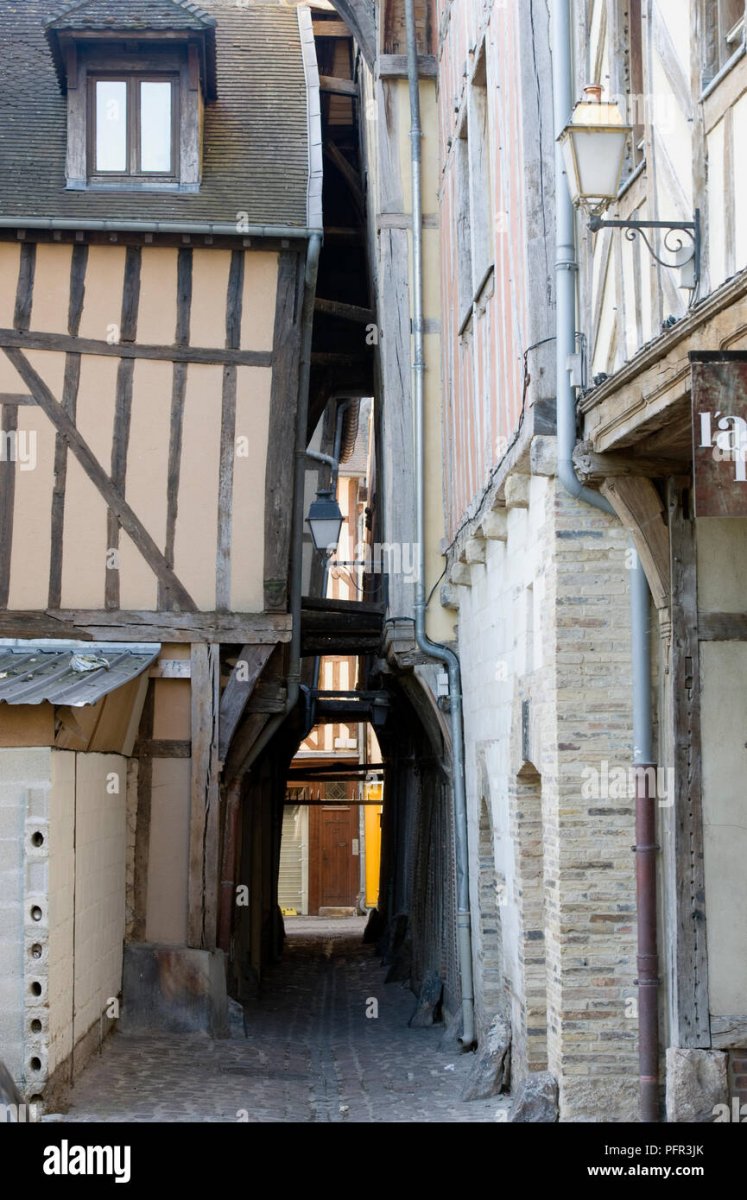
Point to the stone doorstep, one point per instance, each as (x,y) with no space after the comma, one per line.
(337,911)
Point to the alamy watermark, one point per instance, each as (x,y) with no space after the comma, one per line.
(607,782)
(385,558)
(19,446)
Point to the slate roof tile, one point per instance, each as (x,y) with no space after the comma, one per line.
(256,158)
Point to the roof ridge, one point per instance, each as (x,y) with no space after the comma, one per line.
(188,6)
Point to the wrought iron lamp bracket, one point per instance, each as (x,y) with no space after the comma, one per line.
(673,241)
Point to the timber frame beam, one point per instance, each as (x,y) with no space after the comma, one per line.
(97,625)
(113,495)
(13,339)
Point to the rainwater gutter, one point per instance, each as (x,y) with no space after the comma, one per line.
(435,650)
(644,770)
(196,228)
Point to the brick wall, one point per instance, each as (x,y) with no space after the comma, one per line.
(544,639)
(738,1075)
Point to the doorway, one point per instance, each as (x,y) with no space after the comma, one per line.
(334,852)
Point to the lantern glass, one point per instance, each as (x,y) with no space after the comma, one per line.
(594,146)
(325,522)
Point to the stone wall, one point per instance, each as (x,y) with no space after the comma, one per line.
(544,638)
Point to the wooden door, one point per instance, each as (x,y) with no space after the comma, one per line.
(338,844)
(334,856)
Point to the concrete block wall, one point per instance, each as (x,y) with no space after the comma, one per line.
(62,905)
(24,950)
(61,897)
(100,865)
(544,634)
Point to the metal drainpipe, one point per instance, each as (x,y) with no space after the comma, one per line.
(646,850)
(296,569)
(433,649)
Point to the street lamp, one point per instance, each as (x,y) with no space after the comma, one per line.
(594,145)
(325,521)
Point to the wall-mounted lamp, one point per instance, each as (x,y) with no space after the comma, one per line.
(594,146)
(325,521)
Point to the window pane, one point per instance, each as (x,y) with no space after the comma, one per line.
(155,127)
(111,125)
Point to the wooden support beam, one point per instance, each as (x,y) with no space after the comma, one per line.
(394,66)
(267,697)
(593,469)
(280,472)
(11,339)
(348,172)
(323,803)
(131,524)
(131,626)
(176,424)
(163,748)
(8,430)
(639,506)
(243,744)
(686,937)
(71,383)
(142,826)
(331,623)
(338,87)
(331,29)
(312,768)
(722,627)
(25,287)
(345,312)
(234,299)
(122,416)
(728,1033)
(204,828)
(317,645)
(237,692)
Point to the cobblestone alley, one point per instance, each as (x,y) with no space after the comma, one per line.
(310,1052)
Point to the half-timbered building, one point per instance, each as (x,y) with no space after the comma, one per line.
(160,219)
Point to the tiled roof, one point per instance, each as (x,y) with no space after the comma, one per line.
(75,674)
(132,14)
(256,155)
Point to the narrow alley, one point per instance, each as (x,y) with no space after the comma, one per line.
(308,1051)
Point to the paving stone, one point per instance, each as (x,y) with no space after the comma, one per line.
(316,1049)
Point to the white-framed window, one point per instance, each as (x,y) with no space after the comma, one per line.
(133,124)
(724,27)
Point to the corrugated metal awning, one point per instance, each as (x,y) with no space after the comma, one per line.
(74,673)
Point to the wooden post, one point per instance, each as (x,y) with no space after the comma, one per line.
(686,935)
(142,828)
(204,823)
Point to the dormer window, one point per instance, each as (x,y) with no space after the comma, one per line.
(136,90)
